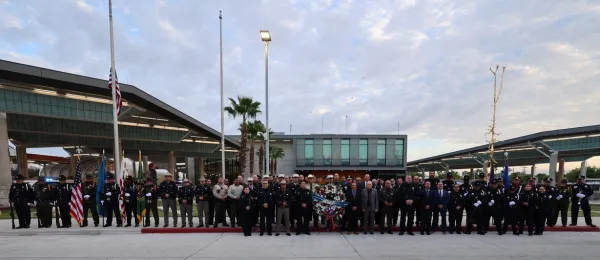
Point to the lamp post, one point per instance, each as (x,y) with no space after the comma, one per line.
(265,35)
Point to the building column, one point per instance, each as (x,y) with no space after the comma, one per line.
(583,170)
(171,165)
(552,168)
(22,160)
(5,169)
(191,173)
(561,170)
(532,171)
(201,168)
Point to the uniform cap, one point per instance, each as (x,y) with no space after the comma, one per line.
(283,182)
(186,180)
(581,178)
(149,179)
(349,177)
(19,177)
(202,179)
(295,175)
(281,176)
(89,176)
(249,179)
(548,180)
(168,175)
(129,178)
(310,176)
(329,176)
(481,175)
(563,181)
(110,176)
(62,177)
(41,178)
(265,176)
(449,174)
(476,184)
(495,181)
(466,177)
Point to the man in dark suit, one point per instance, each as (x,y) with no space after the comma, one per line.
(369,206)
(442,198)
(428,203)
(363,184)
(353,197)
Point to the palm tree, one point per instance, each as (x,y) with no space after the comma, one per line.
(275,153)
(261,151)
(246,108)
(254,128)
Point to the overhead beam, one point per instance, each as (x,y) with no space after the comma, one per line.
(539,150)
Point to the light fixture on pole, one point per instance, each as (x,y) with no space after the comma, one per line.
(265,35)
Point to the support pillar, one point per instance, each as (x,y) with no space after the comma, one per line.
(533,170)
(583,170)
(22,160)
(561,170)
(5,169)
(191,170)
(171,166)
(201,168)
(552,168)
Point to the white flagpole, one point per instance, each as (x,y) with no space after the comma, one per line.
(222,98)
(117,154)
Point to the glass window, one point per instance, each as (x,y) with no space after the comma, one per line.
(309,152)
(363,151)
(345,152)
(399,152)
(327,152)
(381,152)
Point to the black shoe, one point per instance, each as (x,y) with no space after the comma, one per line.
(390,232)
(410,233)
(182,226)
(119,225)
(225,224)
(261,234)
(572,225)
(84,225)
(516,233)
(381,232)
(297,233)
(307,233)
(592,225)
(269,234)
(155,224)
(428,233)
(530,234)
(107,225)
(365,232)
(215,226)
(401,233)
(137,225)
(128,225)
(199,226)
(166,225)
(174,225)
(422,233)
(451,232)
(371,232)
(288,234)
(276,234)
(95,225)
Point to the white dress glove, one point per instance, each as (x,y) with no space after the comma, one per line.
(108,194)
(479,202)
(493,202)
(102,202)
(35,203)
(580,195)
(490,203)
(559,197)
(86,196)
(476,204)
(466,193)
(127,195)
(28,204)
(148,194)
(549,196)
(512,203)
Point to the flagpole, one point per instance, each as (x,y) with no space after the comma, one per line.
(117,154)
(222,97)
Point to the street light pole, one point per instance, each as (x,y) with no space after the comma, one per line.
(266,37)
(222,97)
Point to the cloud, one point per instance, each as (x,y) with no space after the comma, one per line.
(422,65)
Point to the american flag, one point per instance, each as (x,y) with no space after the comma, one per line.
(117,91)
(76,204)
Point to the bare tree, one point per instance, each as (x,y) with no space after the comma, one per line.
(492,128)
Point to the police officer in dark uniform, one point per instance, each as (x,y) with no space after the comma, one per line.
(89,200)
(511,212)
(151,194)
(62,193)
(44,198)
(203,195)
(466,186)
(495,207)
(407,200)
(130,201)
(21,196)
(456,206)
(561,203)
(449,182)
(433,180)
(553,193)
(475,201)
(110,201)
(304,205)
(481,181)
(266,205)
(294,186)
(579,198)
(185,195)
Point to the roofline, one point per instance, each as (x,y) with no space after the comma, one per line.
(326,136)
(53,78)
(575,131)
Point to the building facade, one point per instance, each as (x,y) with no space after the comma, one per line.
(323,154)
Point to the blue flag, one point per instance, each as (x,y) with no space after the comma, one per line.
(506,177)
(100,188)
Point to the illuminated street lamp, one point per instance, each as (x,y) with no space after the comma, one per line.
(265,35)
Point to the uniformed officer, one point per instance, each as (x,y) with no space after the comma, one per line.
(110,201)
(552,192)
(561,203)
(168,194)
(21,196)
(246,205)
(476,199)
(283,199)
(456,206)
(386,198)
(527,200)
(203,194)
(151,192)
(62,193)
(130,201)
(44,199)
(494,210)
(433,180)
(449,182)
(511,213)
(304,204)
(186,203)
(294,186)
(220,196)
(265,203)
(89,200)
(579,198)
(407,199)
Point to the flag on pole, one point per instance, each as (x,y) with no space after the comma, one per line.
(141,200)
(100,185)
(506,177)
(76,203)
(118,97)
(121,196)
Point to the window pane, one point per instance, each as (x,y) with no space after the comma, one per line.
(363,152)
(345,152)
(399,152)
(381,152)
(346,141)
(381,141)
(309,152)
(309,141)
(364,141)
(327,152)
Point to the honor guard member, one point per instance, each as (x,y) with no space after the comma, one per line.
(265,204)
(475,201)
(293,186)
(140,197)
(62,193)
(466,187)
(456,205)
(220,193)
(313,186)
(283,200)
(482,183)
(304,204)
(527,200)
(561,203)
(152,194)
(449,182)
(89,200)
(130,201)
(495,207)
(543,209)
(579,198)
(110,201)
(386,198)
(511,212)
(168,194)
(21,197)
(186,203)
(44,199)
(203,195)
(553,192)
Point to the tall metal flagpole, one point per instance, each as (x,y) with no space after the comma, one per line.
(267,155)
(116,153)
(222,98)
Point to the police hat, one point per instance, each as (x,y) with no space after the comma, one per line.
(581,178)
(62,177)
(110,176)
(495,181)
(512,188)
(250,179)
(89,176)
(466,177)
(449,175)
(19,177)
(548,180)
(329,177)
(481,175)
(349,177)
(563,181)
(476,184)
(283,182)
(295,175)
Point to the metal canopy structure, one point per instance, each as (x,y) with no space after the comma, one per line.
(571,145)
(47,108)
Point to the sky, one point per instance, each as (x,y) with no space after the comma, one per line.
(419,68)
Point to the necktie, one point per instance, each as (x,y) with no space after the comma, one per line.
(427,192)
(440,193)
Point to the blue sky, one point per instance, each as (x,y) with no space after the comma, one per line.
(423,64)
